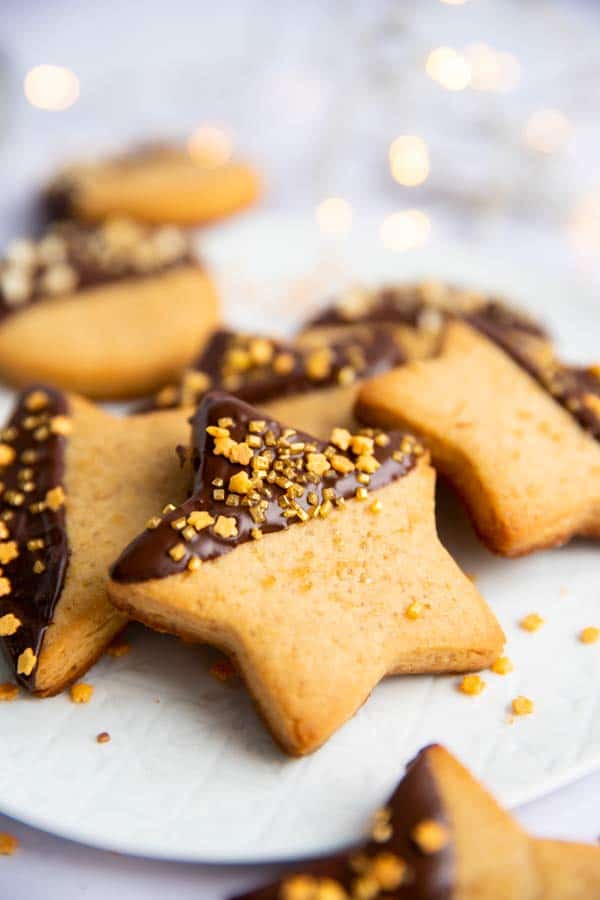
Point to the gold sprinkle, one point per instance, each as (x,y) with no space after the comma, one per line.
(225,422)
(415,610)
(8,552)
(26,662)
(317,464)
(342,464)
(240,453)
(531,622)
(472,685)
(42,434)
(361,493)
(240,483)
(188,533)
(226,527)
(5,587)
(346,376)
(9,844)
(153,523)
(589,635)
(36,400)
(35,544)
(200,519)
(177,552)
(388,870)
(9,625)
(15,498)
(7,455)
(502,666)
(61,425)
(39,567)
(382,440)
(257,426)
(257,534)
(361,444)
(4,532)
(55,498)
(170,507)
(217,432)
(340,438)
(318,364)
(283,363)
(194,564)
(522,706)
(81,693)
(430,836)
(178,524)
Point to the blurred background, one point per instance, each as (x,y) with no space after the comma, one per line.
(478,117)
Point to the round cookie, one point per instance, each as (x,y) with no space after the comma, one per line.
(110,311)
(155,184)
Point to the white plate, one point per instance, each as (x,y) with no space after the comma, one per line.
(191,774)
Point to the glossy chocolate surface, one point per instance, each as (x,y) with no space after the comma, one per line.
(148,555)
(258,369)
(427,877)
(33,596)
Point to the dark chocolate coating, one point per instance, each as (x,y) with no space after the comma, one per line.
(34,597)
(259,384)
(428,877)
(147,556)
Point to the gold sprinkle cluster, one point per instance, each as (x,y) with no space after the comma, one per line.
(55,264)
(300,476)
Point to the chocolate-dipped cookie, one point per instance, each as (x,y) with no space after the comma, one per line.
(111,311)
(313,387)
(156,184)
(441,836)
(315,565)
(513,430)
(77,484)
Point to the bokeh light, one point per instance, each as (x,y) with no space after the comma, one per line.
(53,88)
(454,2)
(449,68)
(334,216)
(210,146)
(548,131)
(409,160)
(405,230)
(583,227)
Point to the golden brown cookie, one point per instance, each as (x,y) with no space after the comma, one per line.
(416,315)
(313,387)
(156,184)
(441,836)
(312,616)
(77,485)
(111,312)
(518,446)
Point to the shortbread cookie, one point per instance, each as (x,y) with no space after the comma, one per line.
(312,616)
(441,836)
(416,314)
(111,312)
(77,485)
(315,388)
(518,449)
(155,184)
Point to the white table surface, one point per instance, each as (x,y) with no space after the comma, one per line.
(314,92)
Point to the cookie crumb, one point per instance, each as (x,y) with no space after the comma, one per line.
(103,737)
(223,671)
(472,685)
(588,635)
(502,666)
(81,693)
(8,844)
(430,836)
(8,692)
(522,706)
(118,648)
(532,622)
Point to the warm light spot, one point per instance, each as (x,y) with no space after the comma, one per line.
(454,2)
(449,68)
(409,160)
(210,146)
(492,70)
(405,230)
(334,216)
(584,224)
(548,131)
(51,87)
(509,72)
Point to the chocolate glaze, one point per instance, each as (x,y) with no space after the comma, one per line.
(33,597)
(90,267)
(375,351)
(429,877)
(147,556)
(405,304)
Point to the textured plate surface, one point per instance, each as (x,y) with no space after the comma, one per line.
(190,772)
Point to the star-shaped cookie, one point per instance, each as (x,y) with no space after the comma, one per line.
(516,435)
(77,484)
(314,565)
(441,836)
